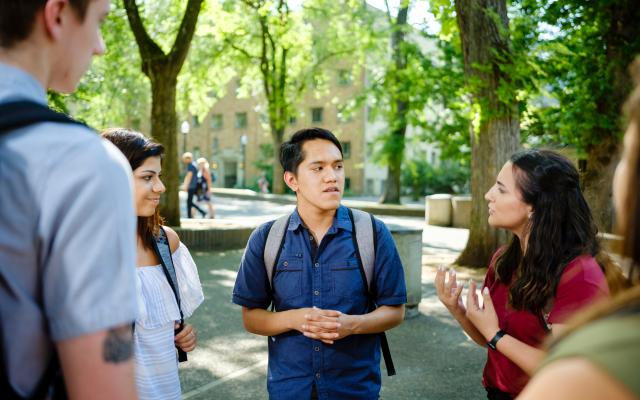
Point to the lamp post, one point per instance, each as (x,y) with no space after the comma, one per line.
(184,128)
(243,147)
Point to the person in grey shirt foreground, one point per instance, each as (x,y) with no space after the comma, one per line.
(67,225)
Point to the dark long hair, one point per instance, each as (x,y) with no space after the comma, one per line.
(560,228)
(137,148)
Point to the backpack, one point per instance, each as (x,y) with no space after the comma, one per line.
(15,115)
(163,250)
(364,241)
(202,186)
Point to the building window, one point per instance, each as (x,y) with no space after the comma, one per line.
(292,120)
(216,145)
(344,77)
(195,121)
(216,122)
(347,184)
(241,120)
(346,150)
(316,114)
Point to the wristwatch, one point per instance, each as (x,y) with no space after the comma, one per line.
(492,343)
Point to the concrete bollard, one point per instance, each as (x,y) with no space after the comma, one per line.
(438,209)
(409,244)
(461,210)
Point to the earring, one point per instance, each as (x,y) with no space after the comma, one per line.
(530,214)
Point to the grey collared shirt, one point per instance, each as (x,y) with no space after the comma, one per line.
(67,236)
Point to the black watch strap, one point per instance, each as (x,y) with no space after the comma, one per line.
(493,342)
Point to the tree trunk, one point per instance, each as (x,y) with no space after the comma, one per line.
(278,172)
(162,70)
(596,181)
(391,193)
(164,130)
(398,119)
(621,46)
(485,45)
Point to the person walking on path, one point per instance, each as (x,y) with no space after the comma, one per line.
(160,310)
(546,273)
(190,184)
(67,244)
(205,184)
(324,340)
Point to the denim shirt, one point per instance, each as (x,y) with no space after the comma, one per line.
(349,368)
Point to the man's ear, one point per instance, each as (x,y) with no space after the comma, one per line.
(291,180)
(53,15)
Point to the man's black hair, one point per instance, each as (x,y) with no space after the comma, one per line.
(291,154)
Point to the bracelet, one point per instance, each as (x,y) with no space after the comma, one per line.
(493,342)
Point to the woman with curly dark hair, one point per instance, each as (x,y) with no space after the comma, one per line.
(546,273)
(598,357)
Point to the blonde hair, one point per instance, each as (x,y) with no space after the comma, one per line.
(203,161)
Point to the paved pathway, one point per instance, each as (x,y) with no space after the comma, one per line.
(434,359)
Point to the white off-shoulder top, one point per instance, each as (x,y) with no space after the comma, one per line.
(155,352)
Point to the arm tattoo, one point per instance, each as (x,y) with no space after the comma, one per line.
(118,345)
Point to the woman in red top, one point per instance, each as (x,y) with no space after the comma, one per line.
(544,275)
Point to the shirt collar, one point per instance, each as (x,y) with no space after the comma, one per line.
(340,221)
(17,84)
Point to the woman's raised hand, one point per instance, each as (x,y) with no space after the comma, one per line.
(449,291)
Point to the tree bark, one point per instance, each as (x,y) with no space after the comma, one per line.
(621,45)
(162,70)
(278,171)
(398,121)
(484,28)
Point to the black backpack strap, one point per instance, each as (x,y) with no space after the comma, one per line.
(163,250)
(384,343)
(19,114)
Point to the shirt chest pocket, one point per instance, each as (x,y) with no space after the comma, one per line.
(287,281)
(346,278)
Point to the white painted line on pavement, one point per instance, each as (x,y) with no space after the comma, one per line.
(233,375)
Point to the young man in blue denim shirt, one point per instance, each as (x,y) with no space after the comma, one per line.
(323,335)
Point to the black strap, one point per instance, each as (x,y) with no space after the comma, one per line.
(384,343)
(163,250)
(19,114)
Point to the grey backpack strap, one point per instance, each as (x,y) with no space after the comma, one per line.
(163,250)
(366,242)
(273,244)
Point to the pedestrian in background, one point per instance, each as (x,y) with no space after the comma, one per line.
(190,184)
(547,273)
(205,184)
(160,313)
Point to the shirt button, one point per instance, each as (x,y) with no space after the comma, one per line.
(317,293)
(316,265)
(285,263)
(318,375)
(311,238)
(316,348)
